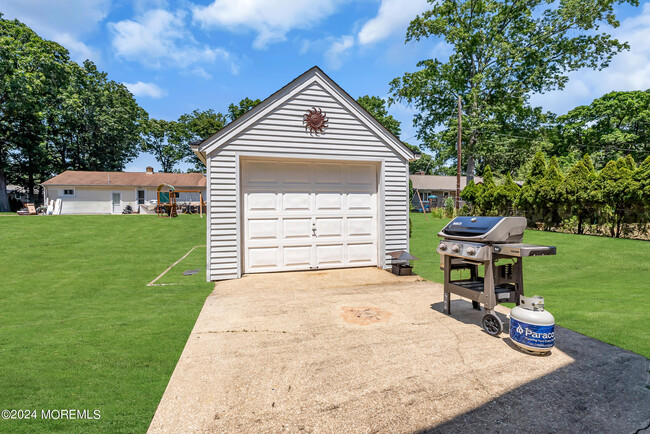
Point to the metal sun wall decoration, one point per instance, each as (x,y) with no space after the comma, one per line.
(315,121)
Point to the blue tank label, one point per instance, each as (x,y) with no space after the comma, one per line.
(535,336)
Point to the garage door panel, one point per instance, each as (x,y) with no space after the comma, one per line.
(297,228)
(263,229)
(362,252)
(262,201)
(260,258)
(329,227)
(260,172)
(329,254)
(329,201)
(362,175)
(296,173)
(361,201)
(360,226)
(296,201)
(295,256)
(328,173)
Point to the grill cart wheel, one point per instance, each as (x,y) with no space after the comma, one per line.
(492,324)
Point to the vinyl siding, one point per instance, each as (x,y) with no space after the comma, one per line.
(281,132)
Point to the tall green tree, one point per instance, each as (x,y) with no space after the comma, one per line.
(198,125)
(162,139)
(239,109)
(97,125)
(618,192)
(31,72)
(579,194)
(550,194)
(612,126)
(501,53)
(377,107)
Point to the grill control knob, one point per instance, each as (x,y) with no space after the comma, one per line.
(455,248)
(442,246)
(471,250)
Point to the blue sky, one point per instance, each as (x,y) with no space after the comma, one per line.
(179,56)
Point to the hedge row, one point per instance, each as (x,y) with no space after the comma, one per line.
(616,198)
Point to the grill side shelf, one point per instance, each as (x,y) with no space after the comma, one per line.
(520,250)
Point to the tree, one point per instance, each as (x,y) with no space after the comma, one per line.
(618,192)
(97,125)
(198,125)
(578,192)
(161,138)
(377,107)
(549,194)
(502,52)
(487,193)
(612,126)
(528,201)
(506,196)
(237,110)
(31,70)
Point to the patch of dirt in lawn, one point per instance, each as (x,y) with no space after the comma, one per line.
(364,315)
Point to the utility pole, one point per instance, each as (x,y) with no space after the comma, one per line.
(458,149)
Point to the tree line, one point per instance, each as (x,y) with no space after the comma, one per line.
(614,200)
(57,115)
(494,56)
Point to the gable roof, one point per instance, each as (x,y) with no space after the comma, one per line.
(439,182)
(313,75)
(127,179)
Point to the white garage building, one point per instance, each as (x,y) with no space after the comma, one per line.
(306,180)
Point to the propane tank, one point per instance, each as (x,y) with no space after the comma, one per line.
(531,327)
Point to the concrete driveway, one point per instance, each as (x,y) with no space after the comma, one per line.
(361,350)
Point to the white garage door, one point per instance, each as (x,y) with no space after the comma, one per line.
(306,215)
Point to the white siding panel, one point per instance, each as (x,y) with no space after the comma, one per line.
(282,132)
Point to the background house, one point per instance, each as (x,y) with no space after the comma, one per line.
(434,189)
(110,192)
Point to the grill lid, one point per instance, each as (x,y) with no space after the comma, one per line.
(485,229)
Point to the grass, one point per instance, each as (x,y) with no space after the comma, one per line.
(79,328)
(596,286)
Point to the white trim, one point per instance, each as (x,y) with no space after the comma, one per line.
(62,192)
(309,79)
(208,220)
(136,196)
(381,215)
(111,202)
(238,217)
(407,206)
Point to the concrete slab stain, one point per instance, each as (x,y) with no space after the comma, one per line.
(364,315)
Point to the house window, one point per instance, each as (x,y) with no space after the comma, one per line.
(141,194)
(68,191)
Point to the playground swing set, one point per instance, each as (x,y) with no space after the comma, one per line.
(169,206)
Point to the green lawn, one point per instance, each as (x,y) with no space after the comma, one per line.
(79,328)
(594,285)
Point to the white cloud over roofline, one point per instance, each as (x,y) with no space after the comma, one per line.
(393,17)
(146,89)
(160,38)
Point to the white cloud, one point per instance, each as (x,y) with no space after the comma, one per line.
(393,16)
(145,89)
(338,51)
(159,37)
(272,20)
(63,21)
(629,70)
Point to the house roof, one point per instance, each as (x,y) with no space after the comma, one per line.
(314,74)
(127,179)
(439,182)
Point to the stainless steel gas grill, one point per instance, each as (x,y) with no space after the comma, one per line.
(486,253)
